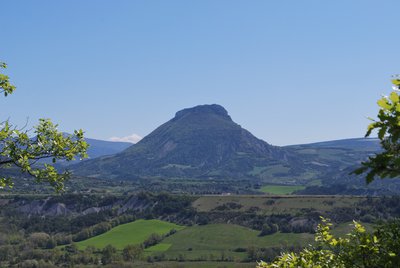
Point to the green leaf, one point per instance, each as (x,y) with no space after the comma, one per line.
(394,97)
(382,132)
(384,104)
(396,82)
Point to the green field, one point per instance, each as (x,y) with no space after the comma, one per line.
(212,241)
(161,247)
(276,204)
(130,233)
(281,189)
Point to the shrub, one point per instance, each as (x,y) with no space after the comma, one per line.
(358,249)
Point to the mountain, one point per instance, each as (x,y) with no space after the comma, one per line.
(359,144)
(204,143)
(202,150)
(341,158)
(199,142)
(97,148)
(338,154)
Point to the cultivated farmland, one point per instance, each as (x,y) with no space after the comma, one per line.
(130,233)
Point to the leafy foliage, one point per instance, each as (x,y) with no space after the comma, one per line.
(19,150)
(5,86)
(387,163)
(358,249)
(132,252)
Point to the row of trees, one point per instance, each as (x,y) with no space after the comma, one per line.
(68,257)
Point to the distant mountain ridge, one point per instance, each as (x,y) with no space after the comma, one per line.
(202,148)
(372,144)
(202,141)
(97,148)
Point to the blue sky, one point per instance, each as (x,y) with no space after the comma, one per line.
(288,71)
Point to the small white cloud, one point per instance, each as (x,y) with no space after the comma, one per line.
(134,138)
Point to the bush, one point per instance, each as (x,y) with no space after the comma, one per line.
(152,240)
(108,254)
(358,249)
(268,228)
(132,252)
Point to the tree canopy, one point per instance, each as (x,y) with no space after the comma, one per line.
(23,151)
(385,164)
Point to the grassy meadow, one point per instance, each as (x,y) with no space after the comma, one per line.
(221,244)
(281,189)
(201,243)
(217,241)
(276,204)
(130,233)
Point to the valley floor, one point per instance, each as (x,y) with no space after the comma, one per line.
(164,230)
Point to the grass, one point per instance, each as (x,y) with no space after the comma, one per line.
(270,170)
(257,170)
(315,183)
(159,247)
(206,245)
(130,233)
(214,241)
(277,204)
(281,189)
